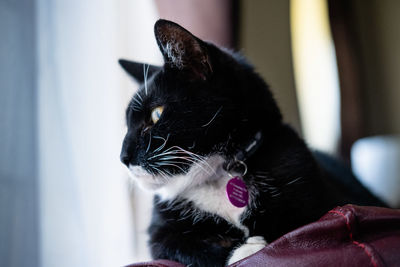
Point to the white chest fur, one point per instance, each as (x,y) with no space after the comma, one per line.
(205,187)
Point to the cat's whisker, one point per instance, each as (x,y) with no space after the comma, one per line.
(194,144)
(191,159)
(173,165)
(275,194)
(169,152)
(172,162)
(188,152)
(162,145)
(137,101)
(175,153)
(215,115)
(140,97)
(294,180)
(189,162)
(164,153)
(148,146)
(177,156)
(197,159)
(145,73)
(168,173)
(264,177)
(162,174)
(159,137)
(198,163)
(207,165)
(168,158)
(134,106)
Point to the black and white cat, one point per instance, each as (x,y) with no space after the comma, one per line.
(197,122)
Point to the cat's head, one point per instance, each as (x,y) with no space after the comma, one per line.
(202,105)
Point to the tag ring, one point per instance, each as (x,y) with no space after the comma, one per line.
(236,163)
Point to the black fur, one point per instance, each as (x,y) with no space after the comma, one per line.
(289,185)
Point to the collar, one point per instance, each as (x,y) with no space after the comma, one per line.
(238,161)
(250,147)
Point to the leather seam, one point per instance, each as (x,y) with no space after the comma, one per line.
(358,244)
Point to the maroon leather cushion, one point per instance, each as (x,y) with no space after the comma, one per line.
(157,263)
(346,236)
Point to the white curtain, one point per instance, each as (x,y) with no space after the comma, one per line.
(19,235)
(86,214)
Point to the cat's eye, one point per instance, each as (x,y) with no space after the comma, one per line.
(156,114)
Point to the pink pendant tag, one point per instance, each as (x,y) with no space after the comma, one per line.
(237,193)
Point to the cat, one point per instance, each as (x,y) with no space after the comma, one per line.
(206,136)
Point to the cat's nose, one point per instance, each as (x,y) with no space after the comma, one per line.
(127,150)
(125,158)
(126,153)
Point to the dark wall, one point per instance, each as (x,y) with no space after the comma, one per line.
(378,23)
(264,38)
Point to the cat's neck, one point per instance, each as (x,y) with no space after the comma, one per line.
(203,172)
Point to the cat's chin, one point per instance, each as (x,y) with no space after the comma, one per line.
(145,180)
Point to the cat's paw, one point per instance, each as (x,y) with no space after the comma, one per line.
(252,245)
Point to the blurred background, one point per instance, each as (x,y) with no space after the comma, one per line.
(65,200)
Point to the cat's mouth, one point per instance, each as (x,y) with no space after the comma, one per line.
(199,172)
(145,180)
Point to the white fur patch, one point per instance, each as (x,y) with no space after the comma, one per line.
(253,244)
(205,190)
(204,185)
(145,180)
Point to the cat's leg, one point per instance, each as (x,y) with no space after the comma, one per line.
(252,245)
(192,247)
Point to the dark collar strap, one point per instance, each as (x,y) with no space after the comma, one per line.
(250,148)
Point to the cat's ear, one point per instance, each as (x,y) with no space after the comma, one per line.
(182,50)
(138,70)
